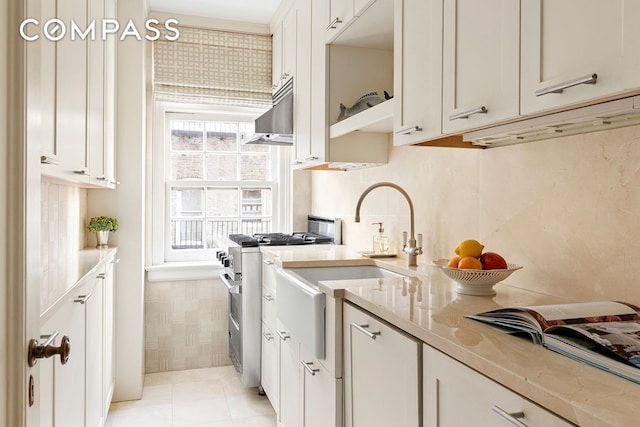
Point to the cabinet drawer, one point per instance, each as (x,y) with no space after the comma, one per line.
(450,386)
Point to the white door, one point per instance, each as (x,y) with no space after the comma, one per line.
(20,218)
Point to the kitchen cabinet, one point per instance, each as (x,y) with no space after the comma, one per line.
(290,401)
(343,13)
(71,95)
(108,334)
(77,85)
(481,58)
(270,360)
(284,41)
(448,384)
(101,100)
(321,394)
(417,71)
(565,62)
(381,372)
(79,392)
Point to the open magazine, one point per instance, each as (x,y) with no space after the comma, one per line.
(603,334)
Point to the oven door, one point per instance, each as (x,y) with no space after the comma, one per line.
(234,290)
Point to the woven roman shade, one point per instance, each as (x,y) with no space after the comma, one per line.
(213,67)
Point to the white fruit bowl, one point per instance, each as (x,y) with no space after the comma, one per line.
(475,282)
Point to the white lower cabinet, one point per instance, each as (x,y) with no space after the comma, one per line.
(289,414)
(455,395)
(78,393)
(321,394)
(270,366)
(381,372)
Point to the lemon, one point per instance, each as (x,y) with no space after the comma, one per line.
(471,248)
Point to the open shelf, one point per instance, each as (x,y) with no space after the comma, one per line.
(378,118)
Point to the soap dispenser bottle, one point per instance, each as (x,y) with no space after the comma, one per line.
(380,241)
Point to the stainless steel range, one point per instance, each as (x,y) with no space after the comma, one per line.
(240,255)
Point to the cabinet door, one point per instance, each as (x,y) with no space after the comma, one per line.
(48,70)
(93,354)
(270,366)
(67,382)
(567,42)
(276,57)
(340,13)
(71,94)
(448,384)
(481,78)
(289,42)
(95,97)
(381,373)
(289,379)
(108,334)
(321,394)
(417,70)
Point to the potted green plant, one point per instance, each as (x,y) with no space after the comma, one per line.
(102,225)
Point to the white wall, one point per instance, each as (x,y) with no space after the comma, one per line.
(566,209)
(127,204)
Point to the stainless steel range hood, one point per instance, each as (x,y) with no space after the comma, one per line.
(275,127)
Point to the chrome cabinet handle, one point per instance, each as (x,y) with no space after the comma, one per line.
(101,178)
(362,328)
(101,276)
(283,335)
(267,297)
(309,368)
(332,25)
(310,159)
(48,160)
(82,172)
(469,113)
(268,336)
(115,261)
(511,417)
(589,79)
(284,76)
(82,299)
(409,130)
(267,262)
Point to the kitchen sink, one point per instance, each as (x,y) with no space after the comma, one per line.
(314,275)
(300,305)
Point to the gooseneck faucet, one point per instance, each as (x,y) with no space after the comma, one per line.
(411,248)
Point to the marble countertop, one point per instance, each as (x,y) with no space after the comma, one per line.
(427,307)
(61,278)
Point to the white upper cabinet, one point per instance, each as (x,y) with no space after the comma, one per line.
(77,80)
(340,13)
(417,70)
(481,57)
(578,50)
(71,95)
(284,53)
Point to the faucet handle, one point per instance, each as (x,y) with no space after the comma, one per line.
(419,244)
(404,239)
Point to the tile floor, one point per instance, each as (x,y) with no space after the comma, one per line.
(210,397)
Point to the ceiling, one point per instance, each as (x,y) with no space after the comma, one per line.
(256,11)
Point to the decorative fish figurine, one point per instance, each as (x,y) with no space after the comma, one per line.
(367,100)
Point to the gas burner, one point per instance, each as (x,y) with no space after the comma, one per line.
(278,239)
(244,240)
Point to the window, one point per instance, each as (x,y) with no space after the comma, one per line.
(214,184)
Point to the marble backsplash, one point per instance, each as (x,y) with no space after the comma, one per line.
(567,209)
(63,233)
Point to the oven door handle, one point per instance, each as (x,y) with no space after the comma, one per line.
(233,288)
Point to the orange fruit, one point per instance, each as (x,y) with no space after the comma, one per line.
(453,262)
(469,263)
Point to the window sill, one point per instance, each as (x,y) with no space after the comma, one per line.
(174,271)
